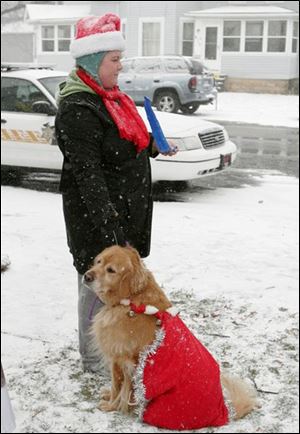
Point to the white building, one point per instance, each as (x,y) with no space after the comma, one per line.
(255,44)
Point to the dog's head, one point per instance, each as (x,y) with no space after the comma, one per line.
(118,273)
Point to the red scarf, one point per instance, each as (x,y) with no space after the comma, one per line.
(123,111)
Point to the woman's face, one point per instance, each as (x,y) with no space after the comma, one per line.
(109,69)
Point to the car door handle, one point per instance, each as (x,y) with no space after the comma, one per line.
(128,81)
(3,121)
(157,80)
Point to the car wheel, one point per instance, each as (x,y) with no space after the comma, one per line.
(167,102)
(188,109)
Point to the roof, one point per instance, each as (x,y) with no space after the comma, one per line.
(248,11)
(17,27)
(56,13)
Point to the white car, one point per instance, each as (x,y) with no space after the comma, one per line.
(27,118)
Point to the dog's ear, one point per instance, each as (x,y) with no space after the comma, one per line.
(138,281)
(139,273)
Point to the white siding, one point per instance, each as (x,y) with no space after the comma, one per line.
(264,67)
(63,62)
(170,11)
(17,47)
(103,7)
(134,11)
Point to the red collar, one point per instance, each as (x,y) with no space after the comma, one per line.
(147,309)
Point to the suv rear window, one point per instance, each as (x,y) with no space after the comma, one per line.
(126,66)
(176,65)
(146,66)
(196,67)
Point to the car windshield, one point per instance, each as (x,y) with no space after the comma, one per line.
(51,83)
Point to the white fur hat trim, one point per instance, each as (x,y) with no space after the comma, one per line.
(108,41)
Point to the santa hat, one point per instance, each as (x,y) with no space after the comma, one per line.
(95,34)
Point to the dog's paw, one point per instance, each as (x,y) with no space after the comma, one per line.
(105,393)
(106,406)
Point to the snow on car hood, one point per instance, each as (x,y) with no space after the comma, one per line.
(175,125)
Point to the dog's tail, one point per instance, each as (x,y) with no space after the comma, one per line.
(241,395)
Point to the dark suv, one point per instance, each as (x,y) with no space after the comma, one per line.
(171,83)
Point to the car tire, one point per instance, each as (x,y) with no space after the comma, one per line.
(167,101)
(189,109)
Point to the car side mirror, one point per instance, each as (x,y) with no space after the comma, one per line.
(43,107)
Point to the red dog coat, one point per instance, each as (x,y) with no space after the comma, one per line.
(177,382)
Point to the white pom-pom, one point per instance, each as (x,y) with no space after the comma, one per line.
(151,310)
(172,311)
(125,302)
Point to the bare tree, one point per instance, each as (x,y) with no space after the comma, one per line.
(12,7)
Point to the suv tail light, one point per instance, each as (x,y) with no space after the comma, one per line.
(192,83)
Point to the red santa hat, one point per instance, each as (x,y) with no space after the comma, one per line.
(97,34)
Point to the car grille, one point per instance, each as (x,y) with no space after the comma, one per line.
(212,139)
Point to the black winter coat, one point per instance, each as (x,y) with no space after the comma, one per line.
(105,184)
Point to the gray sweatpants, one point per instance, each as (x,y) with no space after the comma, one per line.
(86,300)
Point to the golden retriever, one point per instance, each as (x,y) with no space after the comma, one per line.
(118,275)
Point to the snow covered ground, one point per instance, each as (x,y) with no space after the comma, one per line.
(254,108)
(228,258)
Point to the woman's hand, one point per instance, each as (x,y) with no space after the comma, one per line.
(173,149)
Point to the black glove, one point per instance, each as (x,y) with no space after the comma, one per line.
(113,234)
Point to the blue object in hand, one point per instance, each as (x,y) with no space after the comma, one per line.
(160,139)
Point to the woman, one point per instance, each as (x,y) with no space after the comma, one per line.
(106,174)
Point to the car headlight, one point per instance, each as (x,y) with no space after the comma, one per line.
(186,143)
(192,142)
(226,136)
(179,143)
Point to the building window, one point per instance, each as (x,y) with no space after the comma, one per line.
(211,38)
(123,29)
(57,38)
(295,37)
(48,40)
(187,39)
(277,36)
(254,36)
(64,38)
(231,36)
(151,39)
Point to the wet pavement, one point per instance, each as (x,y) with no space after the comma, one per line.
(260,149)
(266,147)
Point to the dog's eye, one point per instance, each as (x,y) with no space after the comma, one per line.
(99,261)
(110,270)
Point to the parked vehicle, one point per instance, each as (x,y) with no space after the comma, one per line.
(28,109)
(168,81)
(198,67)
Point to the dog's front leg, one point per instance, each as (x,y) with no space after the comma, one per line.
(111,399)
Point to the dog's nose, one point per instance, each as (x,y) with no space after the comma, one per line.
(88,277)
